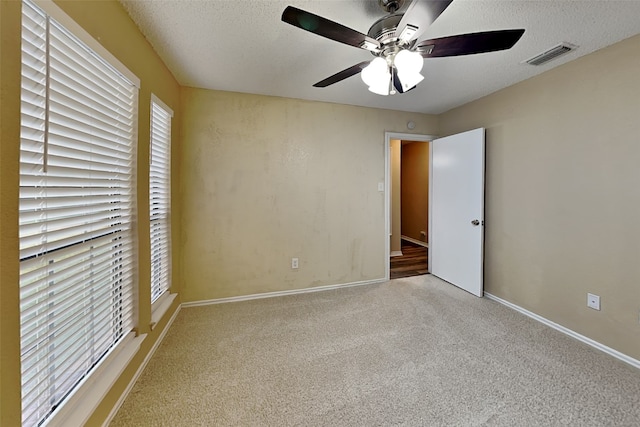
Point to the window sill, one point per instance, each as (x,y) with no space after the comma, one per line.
(160,307)
(83,401)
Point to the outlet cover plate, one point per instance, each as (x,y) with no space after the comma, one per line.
(593,301)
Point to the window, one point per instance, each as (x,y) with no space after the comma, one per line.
(160,197)
(78,124)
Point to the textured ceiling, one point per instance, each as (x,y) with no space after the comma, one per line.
(242,46)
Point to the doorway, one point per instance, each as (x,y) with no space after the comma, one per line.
(407,177)
(409,208)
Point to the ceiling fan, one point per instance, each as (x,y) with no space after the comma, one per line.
(395,42)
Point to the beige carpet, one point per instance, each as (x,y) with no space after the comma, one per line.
(414,352)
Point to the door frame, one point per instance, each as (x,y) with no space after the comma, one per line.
(388,136)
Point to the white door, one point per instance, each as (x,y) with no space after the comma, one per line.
(457,210)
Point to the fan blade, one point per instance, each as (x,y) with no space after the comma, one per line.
(469,44)
(351,71)
(420,14)
(329,29)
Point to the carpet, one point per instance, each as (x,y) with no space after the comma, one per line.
(408,352)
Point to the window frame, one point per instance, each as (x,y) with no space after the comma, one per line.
(158,192)
(86,395)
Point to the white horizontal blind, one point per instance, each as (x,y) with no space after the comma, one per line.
(78,118)
(160,198)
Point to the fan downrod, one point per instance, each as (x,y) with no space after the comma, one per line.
(391,6)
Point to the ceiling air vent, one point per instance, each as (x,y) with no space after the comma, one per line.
(550,54)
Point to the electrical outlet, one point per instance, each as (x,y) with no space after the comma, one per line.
(294,263)
(593,301)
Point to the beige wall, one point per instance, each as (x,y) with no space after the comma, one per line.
(266,179)
(108,22)
(415,190)
(562,193)
(396,219)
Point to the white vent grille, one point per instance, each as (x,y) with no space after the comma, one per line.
(551,54)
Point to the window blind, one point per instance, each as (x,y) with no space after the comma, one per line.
(160,198)
(76,209)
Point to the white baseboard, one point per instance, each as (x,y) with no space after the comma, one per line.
(280,293)
(595,344)
(395,253)
(143,365)
(416,241)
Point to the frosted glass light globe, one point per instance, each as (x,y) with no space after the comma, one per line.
(408,65)
(408,62)
(376,74)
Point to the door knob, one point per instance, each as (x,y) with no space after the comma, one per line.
(475,222)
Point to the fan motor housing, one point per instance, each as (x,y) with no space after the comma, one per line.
(384,30)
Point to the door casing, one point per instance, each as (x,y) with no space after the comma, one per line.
(388,136)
